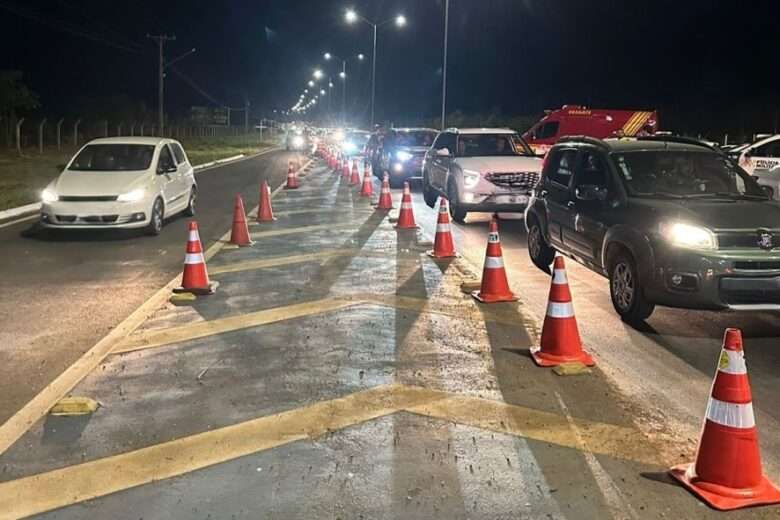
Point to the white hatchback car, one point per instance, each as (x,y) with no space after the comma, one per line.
(121,182)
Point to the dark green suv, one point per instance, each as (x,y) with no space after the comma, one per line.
(669,220)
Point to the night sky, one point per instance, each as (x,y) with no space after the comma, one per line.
(706,65)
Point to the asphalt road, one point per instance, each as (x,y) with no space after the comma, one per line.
(663,369)
(62,293)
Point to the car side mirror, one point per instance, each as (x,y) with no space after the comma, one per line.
(590,193)
(162,171)
(443,152)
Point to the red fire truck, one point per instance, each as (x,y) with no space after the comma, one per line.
(593,122)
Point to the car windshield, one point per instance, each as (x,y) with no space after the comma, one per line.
(683,174)
(113,158)
(415,138)
(358,138)
(489,145)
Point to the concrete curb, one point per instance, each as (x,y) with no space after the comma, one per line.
(29,209)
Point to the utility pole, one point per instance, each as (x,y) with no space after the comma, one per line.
(161,39)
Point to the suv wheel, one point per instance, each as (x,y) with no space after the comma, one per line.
(456,212)
(156,219)
(626,291)
(429,194)
(541,254)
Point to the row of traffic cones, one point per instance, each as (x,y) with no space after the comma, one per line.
(726,473)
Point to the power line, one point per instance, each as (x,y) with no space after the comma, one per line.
(65,27)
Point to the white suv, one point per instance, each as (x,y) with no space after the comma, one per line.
(762,160)
(480,169)
(121,182)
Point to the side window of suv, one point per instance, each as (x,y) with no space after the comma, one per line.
(561,166)
(445,140)
(592,170)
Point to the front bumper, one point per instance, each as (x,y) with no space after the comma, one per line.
(95,215)
(411,169)
(737,280)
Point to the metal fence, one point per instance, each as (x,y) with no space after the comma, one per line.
(45,133)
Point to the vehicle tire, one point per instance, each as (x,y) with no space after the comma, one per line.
(540,252)
(429,194)
(625,290)
(456,212)
(156,218)
(190,209)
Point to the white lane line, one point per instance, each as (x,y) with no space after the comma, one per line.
(614,498)
(24,419)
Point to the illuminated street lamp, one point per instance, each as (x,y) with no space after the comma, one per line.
(351,16)
(343,75)
(311,83)
(317,74)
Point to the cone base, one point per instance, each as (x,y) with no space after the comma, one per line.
(264,220)
(494,298)
(291,187)
(407,226)
(433,254)
(199,291)
(380,208)
(723,498)
(242,244)
(543,359)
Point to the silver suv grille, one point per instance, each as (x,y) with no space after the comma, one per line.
(513,179)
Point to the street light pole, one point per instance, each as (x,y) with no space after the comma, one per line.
(344,93)
(444,66)
(373,79)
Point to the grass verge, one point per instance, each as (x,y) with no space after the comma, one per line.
(23,178)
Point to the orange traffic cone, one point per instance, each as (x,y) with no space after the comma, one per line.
(195,279)
(355,179)
(345,168)
(442,244)
(385,200)
(292,180)
(495,287)
(265,213)
(727,471)
(560,336)
(406,215)
(239,235)
(367,189)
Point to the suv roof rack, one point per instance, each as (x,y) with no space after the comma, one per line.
(584,139)
(680,139)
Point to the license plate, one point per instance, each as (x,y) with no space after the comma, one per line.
(511,199)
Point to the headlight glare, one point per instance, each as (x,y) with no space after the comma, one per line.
(297,141)
(131,196)
(689,236)
(48,196)
(402,155)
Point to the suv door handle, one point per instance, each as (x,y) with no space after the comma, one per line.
(570,204)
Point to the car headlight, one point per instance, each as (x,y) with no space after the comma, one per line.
(402,155)
(470,178)
(690,236)
(349,147)
(132,196)
(48,196)
(297,141)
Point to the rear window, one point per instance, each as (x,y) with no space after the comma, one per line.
(490,145)
(113,158)
(414,138)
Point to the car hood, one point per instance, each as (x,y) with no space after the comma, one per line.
(740,214)
(415,150)
(506,164)
(80,184)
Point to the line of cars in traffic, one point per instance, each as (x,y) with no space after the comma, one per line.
(668,220)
